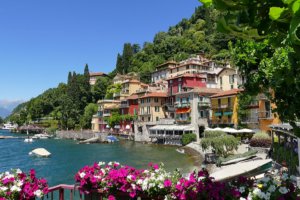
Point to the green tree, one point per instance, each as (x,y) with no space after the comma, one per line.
(270,30)
(126,57)
(111,89)
(100,88)
(119,64)
(86,118)
(1,120)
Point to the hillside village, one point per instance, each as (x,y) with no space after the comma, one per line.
(183,97)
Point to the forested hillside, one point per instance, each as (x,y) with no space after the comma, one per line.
(71,105)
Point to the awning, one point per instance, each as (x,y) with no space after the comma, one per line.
(107,126)
(183,110)
(227,113)
(217,114)
(117,126)
(127,127)
(173,127)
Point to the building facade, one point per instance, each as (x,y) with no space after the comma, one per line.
(94,76)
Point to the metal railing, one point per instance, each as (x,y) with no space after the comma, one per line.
(203,104)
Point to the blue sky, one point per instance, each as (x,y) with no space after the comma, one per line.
(41,41)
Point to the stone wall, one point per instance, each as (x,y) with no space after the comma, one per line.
(78,135)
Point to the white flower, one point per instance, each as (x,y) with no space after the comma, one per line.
(201,178)
(82,174)
(38,193)
(160,186)
(146,171)
(15,188)
(110,163)
(103,171)
(19,183)
(151,185)
(256,191)
(129,177)
(283,190)
(242,198)
(133,186)
(272,188)
(265,179)
(293,178)
(18,171)
(285,176)
(3,188)
(242,189)
(157,170)
(139,182)
(101,163)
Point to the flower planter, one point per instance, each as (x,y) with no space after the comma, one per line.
(119,196)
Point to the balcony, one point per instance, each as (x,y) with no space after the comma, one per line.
(250,120)
(144,114)
(118,94)
(183,121)
(124,105)
(203,104)
(182,104)
(222,107)
(106,114)
(265,115)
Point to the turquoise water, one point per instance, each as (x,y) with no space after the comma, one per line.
(68,156)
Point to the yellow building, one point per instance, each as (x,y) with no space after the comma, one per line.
(225,108)
(104,110)
(228,79)
(129,87)
(151,107)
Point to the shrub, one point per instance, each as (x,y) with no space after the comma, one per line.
(232,157)
(261,139)
(188,138)
(212,134)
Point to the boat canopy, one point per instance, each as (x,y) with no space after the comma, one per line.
(173,127)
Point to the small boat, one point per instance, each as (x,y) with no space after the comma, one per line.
(40,152)
(9,126)
(111,139)
(41,136)
(247,169)
(28,140)
(180,150)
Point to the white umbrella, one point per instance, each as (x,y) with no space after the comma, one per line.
(230,130)
(127,127)
(245,130)
(217,129)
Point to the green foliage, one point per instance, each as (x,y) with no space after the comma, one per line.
(111,89)
(1,120)
(221,160)
(86,118)
(188,138)
(282,154)
(213,134)
(99,90)
(222,144)
(261,139)
(269,56)
(244,102)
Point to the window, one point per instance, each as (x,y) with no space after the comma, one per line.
(148,109)
(149,119)
(231,79)
(134,111)
(171,81)
(201,114)
(219,103)
(142,101)
(179,87)
(156,100)
(148,100)
(157,119)
(221,81)
(179,79)
(231,86)
(156,108)
(229,101)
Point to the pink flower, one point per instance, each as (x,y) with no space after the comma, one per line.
(167,183)
(111,197)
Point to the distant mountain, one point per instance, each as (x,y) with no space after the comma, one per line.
(7,106)
(4,112)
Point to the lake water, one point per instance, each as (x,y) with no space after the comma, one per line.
(68,156)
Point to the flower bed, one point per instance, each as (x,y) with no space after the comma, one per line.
(156,183)
(15,184)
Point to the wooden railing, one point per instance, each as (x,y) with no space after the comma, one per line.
(61,189)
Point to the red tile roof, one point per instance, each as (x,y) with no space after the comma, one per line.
(132,97)
(227,93)
(187,75)
(97,74)
(155,94)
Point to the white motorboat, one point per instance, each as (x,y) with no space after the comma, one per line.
(28,140)
(40,152)
(41,136)
(250,168)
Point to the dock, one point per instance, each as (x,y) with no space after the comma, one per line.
(11,137)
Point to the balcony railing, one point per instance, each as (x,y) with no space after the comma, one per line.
(202,104)
(265,115)
(124,105)
(183,121)
(118,94)
(249,120)
(223,106)
(106,114)
(182,104)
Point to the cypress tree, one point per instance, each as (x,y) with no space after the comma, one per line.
(119,65)
(69,78)
(126,57)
